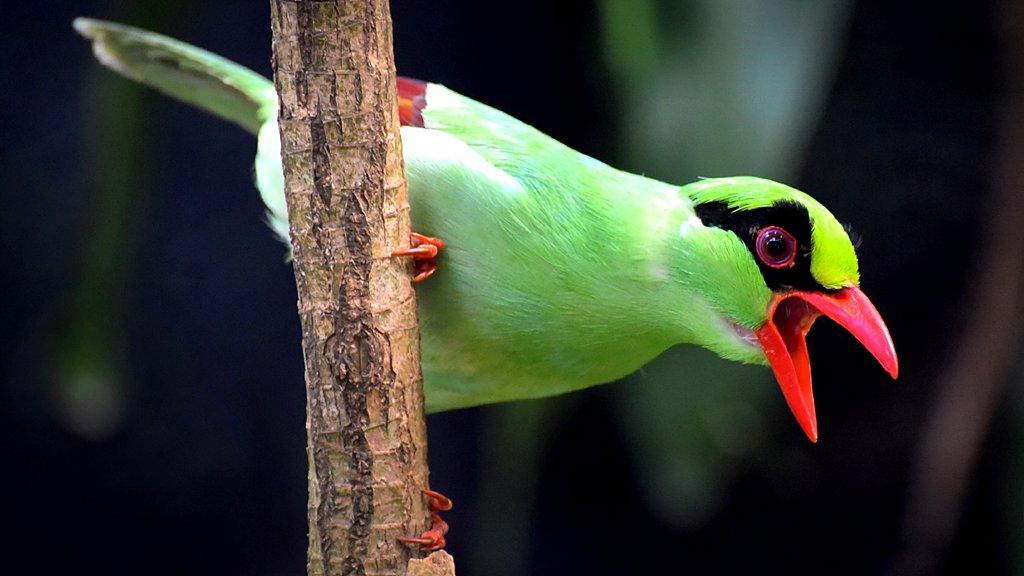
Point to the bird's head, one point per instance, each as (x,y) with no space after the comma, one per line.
(776,260)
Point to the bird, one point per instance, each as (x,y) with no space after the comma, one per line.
(549,270)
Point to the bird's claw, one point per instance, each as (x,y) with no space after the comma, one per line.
(438,502)
(424,251)
(432,539)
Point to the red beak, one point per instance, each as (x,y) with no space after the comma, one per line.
(790,316)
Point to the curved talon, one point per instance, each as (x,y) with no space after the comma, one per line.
(432,539)
(427,240)
(438,501)
(424,250)
(425,273)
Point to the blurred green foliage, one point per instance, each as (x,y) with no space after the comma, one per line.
(90,380)
(720,88)
(90,371)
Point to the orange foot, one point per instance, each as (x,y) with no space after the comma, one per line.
(424,254)
(432,539)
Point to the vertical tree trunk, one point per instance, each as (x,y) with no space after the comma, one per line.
(334,72)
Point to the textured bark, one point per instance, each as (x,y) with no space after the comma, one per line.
(439,563)
(334,72)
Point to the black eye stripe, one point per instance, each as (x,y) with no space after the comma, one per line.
(746,224)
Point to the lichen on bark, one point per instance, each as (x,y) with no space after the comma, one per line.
(345,188)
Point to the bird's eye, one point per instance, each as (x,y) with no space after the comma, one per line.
(776,247)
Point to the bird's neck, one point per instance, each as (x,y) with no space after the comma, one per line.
(634,248)
(663,271)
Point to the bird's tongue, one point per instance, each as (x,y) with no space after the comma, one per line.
(783,338)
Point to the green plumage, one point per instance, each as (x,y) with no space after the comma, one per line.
(560,271)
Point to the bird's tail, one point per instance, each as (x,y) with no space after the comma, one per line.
(182,71)
(203,79)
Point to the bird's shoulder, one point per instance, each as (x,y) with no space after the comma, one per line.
(537,160)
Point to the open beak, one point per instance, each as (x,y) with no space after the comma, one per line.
(783,337)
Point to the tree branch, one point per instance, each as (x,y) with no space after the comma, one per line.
(344,183)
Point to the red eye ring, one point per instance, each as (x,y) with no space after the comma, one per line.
(776,247)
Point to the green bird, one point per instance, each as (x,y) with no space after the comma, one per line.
(558,271)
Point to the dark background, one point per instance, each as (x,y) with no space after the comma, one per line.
(152,401)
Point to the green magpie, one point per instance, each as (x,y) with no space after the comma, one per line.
(556,271)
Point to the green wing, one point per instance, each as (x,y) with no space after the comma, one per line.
(205,80)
